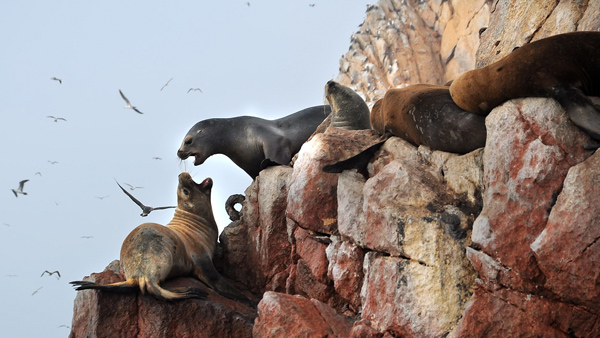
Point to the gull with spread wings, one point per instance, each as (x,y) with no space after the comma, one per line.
(146,209)
(128,106)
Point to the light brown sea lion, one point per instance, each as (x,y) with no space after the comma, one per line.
(426,115)
(565,67)
(153,253)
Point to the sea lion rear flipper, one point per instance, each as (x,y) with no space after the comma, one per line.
(234,215)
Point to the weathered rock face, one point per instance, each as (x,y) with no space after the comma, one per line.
(515,23)
(409,42)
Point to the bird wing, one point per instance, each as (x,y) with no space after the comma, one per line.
(134,108)
(22,184)
(189,90)
(15,192)
(60,118)
(140,204)
(124,98)
(166,84)
(160,208)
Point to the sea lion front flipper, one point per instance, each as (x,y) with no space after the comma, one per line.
(278,152)
(206,272)
(580,109)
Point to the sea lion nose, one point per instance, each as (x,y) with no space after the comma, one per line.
(182,154)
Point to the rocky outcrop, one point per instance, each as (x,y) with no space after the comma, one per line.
(500,242)
(403,42)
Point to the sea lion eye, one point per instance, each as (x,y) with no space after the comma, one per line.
(186,192)
(187,141)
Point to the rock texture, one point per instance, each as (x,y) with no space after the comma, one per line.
(500,242)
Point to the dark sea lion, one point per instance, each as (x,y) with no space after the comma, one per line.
(250,142)
(426,115)
(153,253)
(565,67)
(349,110)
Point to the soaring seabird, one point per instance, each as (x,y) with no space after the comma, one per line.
(145,208)
(19,190)
(128,106)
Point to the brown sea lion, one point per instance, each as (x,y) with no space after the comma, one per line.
(565,67)
(153,253)
(426,115)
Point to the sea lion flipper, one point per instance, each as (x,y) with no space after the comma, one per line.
(206,272)
(580,109)
(277,152)
(234,215)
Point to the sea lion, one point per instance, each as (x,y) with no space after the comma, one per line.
(565,67)
(250,142)
(153,253)
(426,115)
(349,110)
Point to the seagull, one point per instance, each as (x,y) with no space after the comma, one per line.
(68,327)
(131,187)
(102,197)
(11,276)
(36,291)
(38,173)
(51,273)
(52,162)
(128,106)
(56,79)
(56,118)
(6,224)
(311,5)
(145,208)
(20,189)
(166,84)
(248,3)
(156,158)
(87,237)
(195,89)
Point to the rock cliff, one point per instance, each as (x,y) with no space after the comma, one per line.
(500,242)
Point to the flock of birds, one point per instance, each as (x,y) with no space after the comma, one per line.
(146,209)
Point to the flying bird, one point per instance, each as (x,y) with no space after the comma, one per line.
(36,291)
(38,173)
(11,276)
(52,162)
(56,79)
(129,106)
(145,208)
(195,89)
(51,273)
(311,5)
(56,118)
(6,224)
(19,190)
(87,237)
(156,158)
(68,327)
(248,3)
(166,84)
(131,187)
(102,197)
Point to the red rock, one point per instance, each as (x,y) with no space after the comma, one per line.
(106,314)
(508,313)
(282,315)
(312,253)
(256,250)
(568,250)
(346,270)
(363,329)
(530,146)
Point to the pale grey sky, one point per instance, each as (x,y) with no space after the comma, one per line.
(269,59)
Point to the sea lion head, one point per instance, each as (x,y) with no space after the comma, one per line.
(198,142)
(194,197)
(336,94)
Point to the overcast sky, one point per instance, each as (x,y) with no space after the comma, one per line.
(269,59)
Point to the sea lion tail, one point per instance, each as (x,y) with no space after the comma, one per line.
(234,215)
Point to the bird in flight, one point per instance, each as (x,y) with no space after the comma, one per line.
(195,89)
(166,84)
(52,162)
(36,291)
(129,106)
(156,158)
(146,209)
(51,273)
(102,197)
(19,190)
(56,118)
(87,237)
(131,187)
(56,79)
